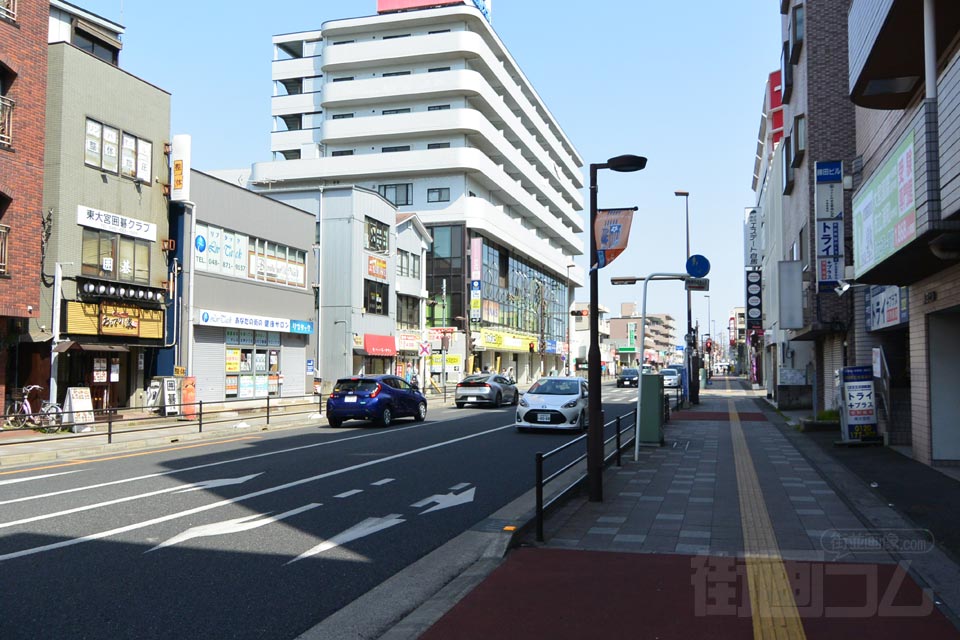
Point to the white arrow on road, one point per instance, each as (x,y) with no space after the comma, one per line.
(359,530)
(446,500)
(196,486)
(236,525)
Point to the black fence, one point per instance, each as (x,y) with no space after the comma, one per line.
(542,481)
(198,414)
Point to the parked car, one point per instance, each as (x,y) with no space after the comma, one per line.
(377,398)
(648,369)
(628,378)
(486,388)
(671,377)
(554,403)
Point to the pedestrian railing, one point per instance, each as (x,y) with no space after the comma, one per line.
(199,414)
(542,481)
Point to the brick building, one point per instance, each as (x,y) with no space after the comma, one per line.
(23,80)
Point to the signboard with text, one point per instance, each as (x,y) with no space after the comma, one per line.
(828,200)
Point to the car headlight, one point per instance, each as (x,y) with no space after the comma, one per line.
(523,402)
(571,404)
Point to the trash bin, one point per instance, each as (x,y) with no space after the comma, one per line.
(651,409)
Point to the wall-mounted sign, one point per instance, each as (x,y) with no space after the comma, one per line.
(209,318)
(115,223)
(377,267)
(886,307)
(180,156)
(751,237)
(119,320)
(754,300)
(829,224)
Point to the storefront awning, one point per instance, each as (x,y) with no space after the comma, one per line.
(376,345)
(70,345)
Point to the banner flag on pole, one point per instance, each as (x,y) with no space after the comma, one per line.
(612,231)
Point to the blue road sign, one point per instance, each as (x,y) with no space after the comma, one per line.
(698,266)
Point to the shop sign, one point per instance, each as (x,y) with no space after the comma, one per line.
(114,223)
(377,267)
(886,307)
(209,318)
(408,341)
(357,341)
(119,320)
(233,361)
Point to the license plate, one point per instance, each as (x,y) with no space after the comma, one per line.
(350,399)
(543,417)
(471,399)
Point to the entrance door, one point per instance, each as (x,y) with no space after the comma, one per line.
(943,345)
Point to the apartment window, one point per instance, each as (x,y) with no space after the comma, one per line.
(376,297)
(787,166)
(408,264)
(797,26)
(115,257)
(84,38)
(786,74)
(344,42)
(438,145)
(402,147)
(378,236)
(342,152)
(8,10)
(393,112)
(435,69)
(136,158)
(799,137)
(399,35)
(390,74)
(101,146)
(5,201)
(343,79)
(408,313)
(6,118)
(438,31)
(438,107)
(342,116)
(438,195)
(398,194)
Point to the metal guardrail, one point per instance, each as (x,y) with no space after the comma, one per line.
(6,121)
(201,416)
(542,481)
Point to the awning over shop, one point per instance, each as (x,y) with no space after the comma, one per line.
(70,345)
(376,345)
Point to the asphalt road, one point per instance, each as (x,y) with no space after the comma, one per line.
(253,536)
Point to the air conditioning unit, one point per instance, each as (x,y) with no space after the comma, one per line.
(168,244)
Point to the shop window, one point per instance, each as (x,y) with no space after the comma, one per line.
(376,297)
(115,257)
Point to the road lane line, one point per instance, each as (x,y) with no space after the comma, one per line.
(774,608)
(230,501)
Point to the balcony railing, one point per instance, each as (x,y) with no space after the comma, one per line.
(8,10)
(6,119)
(4,234)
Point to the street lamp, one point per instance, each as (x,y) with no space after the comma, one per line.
(693,385)
(622,164)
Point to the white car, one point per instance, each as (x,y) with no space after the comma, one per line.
(554,403)
(671,378)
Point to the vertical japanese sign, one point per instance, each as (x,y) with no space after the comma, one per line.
(859,415)
(751,238)
(612,232)
(754,300)
(828,230)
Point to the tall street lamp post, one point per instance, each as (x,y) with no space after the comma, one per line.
(693,384)
(623,164)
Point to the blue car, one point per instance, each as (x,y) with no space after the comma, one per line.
(377,398)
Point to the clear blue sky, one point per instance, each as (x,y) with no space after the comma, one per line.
(680,83)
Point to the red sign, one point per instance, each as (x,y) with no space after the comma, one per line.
(387,6)
(376,345)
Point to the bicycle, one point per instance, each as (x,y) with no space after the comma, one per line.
(20,412)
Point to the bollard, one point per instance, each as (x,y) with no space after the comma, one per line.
(200,417)
(268,410)
(109,428)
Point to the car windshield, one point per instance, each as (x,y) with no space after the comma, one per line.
(668,372)
(355,384)
(629,372)
(555,388)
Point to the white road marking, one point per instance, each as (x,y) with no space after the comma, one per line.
(462,485)
(206,484)
(46,475)
(446,500)
(347,494)
(221,503)
(379,483)
(359,530)
(236,525)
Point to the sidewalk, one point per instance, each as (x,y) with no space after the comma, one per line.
(739,526)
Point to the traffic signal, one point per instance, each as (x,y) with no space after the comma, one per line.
(533,348)
(580,313)
(709,344)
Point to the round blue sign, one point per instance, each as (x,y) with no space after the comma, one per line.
(698,266)
(201,243)
(205,317)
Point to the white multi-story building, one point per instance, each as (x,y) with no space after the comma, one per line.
(427,107)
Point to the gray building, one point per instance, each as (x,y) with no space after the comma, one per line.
(105,217)
(247,329)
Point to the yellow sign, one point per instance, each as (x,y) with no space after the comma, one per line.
(179,371)
(178,174)
(233,361)
(453,360)
(119,320)
(505,341)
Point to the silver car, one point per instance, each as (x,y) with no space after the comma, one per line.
(554,403)
(671,377)
(486,388)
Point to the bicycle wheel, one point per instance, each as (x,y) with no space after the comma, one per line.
(16,418)
(51,418)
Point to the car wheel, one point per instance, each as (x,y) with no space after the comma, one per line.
(386,417)
(421,412)
(583,421)
(619,384)
(335,422)
(516,397)
(499,401)
(460,405)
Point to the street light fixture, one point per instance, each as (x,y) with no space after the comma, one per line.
(621,164)
(693,384)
